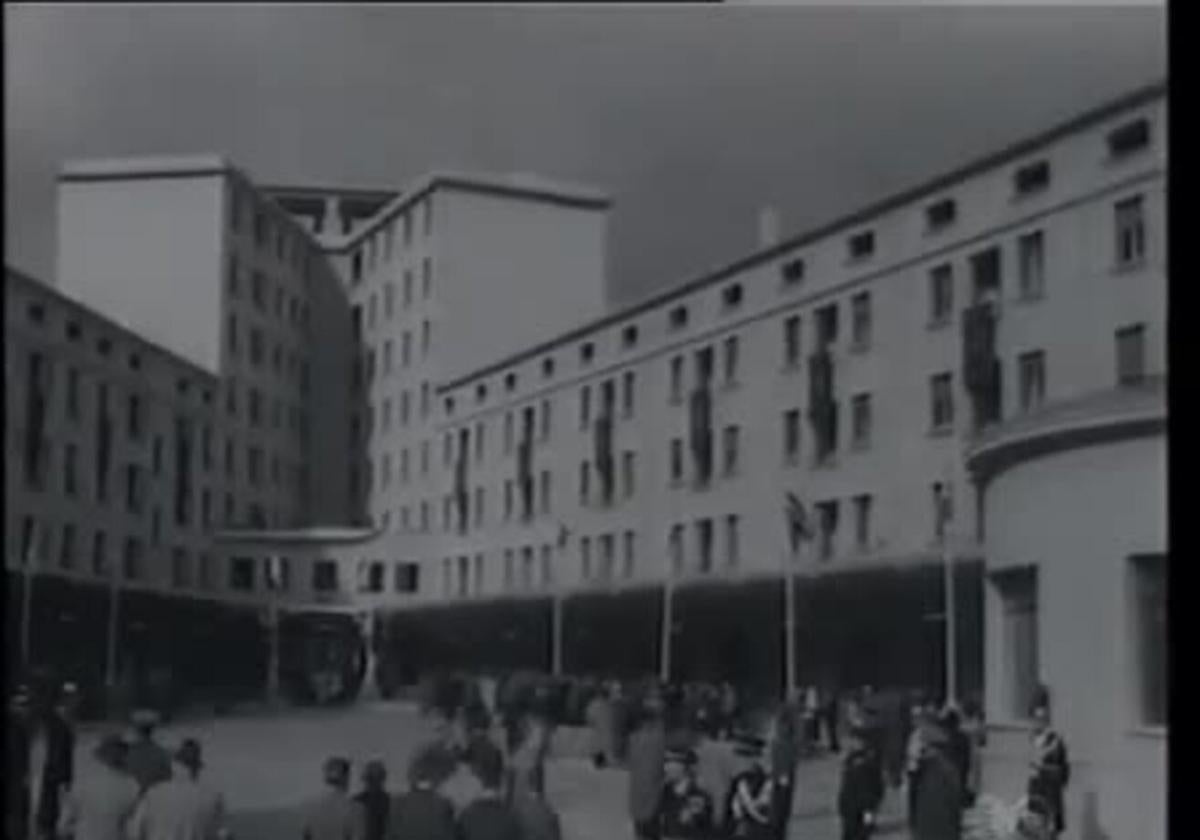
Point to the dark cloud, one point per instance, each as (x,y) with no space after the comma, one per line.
(692,118)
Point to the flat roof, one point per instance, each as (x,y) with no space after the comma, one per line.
(1140,96)
(132,168)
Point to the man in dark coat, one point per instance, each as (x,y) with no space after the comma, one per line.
(146,760)
(1051,766)
(488,817)
(750,807)
(59,769)
(937,806)
(17,745)
(373,799)
(861,788)
(686,810)
(647,748)
(785,754)
(423,811)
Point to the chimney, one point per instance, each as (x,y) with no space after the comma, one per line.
(768,227)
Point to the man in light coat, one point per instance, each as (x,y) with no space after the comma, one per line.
(102,802)
(183,807)
(334,815)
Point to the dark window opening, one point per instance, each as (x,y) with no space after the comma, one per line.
(861,245)
(1129,138)
(679,317)
(1032,178)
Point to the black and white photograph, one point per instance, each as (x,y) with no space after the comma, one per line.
(515,421)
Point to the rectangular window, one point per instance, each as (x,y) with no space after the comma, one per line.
(630,556)
(585,558)
(732,540)
(791,436)
(676,460)
(731,359)
(73,394)
(628,382)
(1129,138)
(704,539)
(941,390)
(941,294)
(1032,378)
(100,554)
(1131,354)
(793,273)
(862,522)
(1018,593)
(585,475)
(426,278)
(827,325)
(181,571)
(675,548)
(1150,645)
(70,469)
(1130,231)
(1032,178)
(1031,264)
(791,342)
(325,576)
(941,213)
(860,321)
(629,471)
(861,245)
(508,499)
(585,406)
(731,450)
(607,557)
(731,296)
(136,420)
(861,409)
(676,379)
(66,548)
(678,318)
(827,522)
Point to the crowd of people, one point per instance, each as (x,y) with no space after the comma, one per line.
(702,764)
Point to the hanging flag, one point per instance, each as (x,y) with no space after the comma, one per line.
(799,527)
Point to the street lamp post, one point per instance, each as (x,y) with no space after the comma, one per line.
(789,606)
(951,609)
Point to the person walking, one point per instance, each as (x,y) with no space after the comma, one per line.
(915,750)
(333,816)
(831,718)
(1051,765)
(937,805)
(488,816)
(102,803)
(749,808)
(373,800)
(422,811)
(715,769)
(527,761)
(729,709)
(647,748)
(18,744)
(147,761)
(784,757)
(976,731)
(861,789)
(184,807)
(538,821)
(686,809)
(599,716)
(958,748)
(58,769)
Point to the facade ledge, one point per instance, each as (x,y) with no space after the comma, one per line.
(299,536)
(1114,414)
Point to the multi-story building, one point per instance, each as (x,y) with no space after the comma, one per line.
(499,465)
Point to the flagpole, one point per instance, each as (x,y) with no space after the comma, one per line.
(789,606)
(668,620)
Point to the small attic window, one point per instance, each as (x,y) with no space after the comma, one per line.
(548,367)
(861,245)
(1032,177)
(480,392)
(1129,138)
(731,296)
(793,272)
(510,382)
(679,317)
(629,337)
(941,213)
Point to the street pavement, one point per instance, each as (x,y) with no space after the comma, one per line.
(267,767)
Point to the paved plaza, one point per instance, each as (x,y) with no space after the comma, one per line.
(268,766)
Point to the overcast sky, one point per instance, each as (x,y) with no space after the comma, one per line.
(692,118)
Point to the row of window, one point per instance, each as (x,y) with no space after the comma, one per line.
(295,416)
(381,310)
(282,361)
(379,246)
(271,237)
(364,367)
(289,308)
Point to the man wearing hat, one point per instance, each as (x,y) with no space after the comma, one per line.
(333,816)
(861,788)
(938,797)
(147,762)
(18,743)
(183,806)
(686,809)
(750,809)
(373,799)
(647,747)
(58,769)
(101,805)
(423,811)
(1051,767)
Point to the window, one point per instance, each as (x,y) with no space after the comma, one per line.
(860,321)
(791,436)
(1131,231)
(66,548)
(1032,178)
(547,368)
(704,539)
(73,394)
(941,213)
(731,359)
(941,391)
(70,470)
(131,560)
(629,472)
(1018,593)
(731,296)
(356,265)
(426,338)
(510,382)
(676,379)
(793,273)
(509,435)
(942,507)
(325,576)
(1031,264)
(587,352)
(607,557)
(585,475)
(1150,637)
(862,522)
(1129,138)
(585,557)
(545,491)
(827,522)
(99,554)
(861,245)
(585,406)
(730,436)
(630,556)
(1131,354)
(389,297)
(256,346)
(732,540)
(181,572)
(133,488)
(387,356)
(629,337)
(1032,378)
(527,568)
(676,460)
(827,325)
(628,385)
(508,499)
(861,411)
(675,548)
(791,342)
(941,294)
(258,290)
(547,566)
(678,318)
(135,417)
